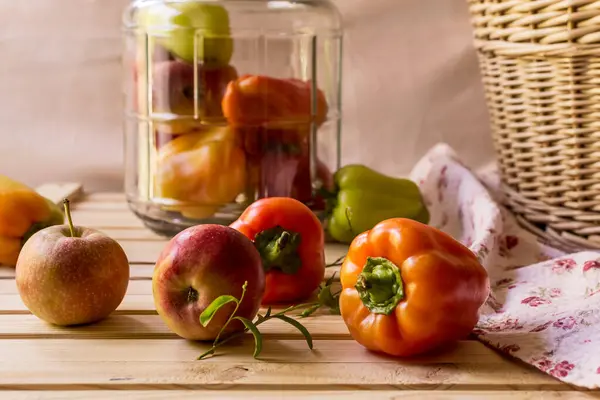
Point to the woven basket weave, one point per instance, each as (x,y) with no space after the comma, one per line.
(540,62)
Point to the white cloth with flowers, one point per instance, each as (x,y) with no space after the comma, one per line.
(544,308)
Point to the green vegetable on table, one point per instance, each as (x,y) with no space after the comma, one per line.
(364,197)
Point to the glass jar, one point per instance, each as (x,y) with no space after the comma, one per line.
(227,102)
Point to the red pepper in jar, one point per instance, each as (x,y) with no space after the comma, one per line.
(255,100)
(270,112)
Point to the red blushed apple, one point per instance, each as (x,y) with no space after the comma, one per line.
(70,275)
(198,265)
(179,90)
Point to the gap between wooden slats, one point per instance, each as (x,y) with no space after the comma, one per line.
(148,252)
(142,256)
(132,304)
(144,272)
(332,364)
(152,327)
(301,395)
(135,287)
(137,272)
(138,299)
(274,350)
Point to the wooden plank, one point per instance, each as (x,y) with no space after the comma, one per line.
(138,299)
(141,242)
(161,375)
(152,327)
(7,272)
(136,288)
(11,304)
(139,234)
(141,271)
(57,192)
(333,364)
(138,271)
(132,304)
(100,206)
(114,197)
(9,286)
(274,350)
(310,395)
(145,271)
(109,219)
(148,251)
(143,252)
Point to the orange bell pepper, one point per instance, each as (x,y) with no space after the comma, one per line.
(23,212)
(255,100)
(270,112)
(408,288)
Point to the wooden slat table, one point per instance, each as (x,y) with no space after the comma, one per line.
(133,355)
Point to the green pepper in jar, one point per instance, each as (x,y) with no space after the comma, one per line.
(364,197)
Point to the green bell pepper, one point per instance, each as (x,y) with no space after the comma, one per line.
(363,197)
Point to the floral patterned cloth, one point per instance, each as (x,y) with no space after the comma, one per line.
(544,307)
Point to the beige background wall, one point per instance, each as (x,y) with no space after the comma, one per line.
(411,80)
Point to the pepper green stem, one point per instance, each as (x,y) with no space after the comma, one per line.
(380,285)
(278,249)
(68,214)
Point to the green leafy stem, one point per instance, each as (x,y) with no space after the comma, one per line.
(249,325)
(326,298)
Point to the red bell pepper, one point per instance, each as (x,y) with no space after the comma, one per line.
(291,242)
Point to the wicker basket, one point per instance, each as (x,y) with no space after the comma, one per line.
(540,62)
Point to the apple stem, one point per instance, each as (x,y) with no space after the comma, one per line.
(68,214)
